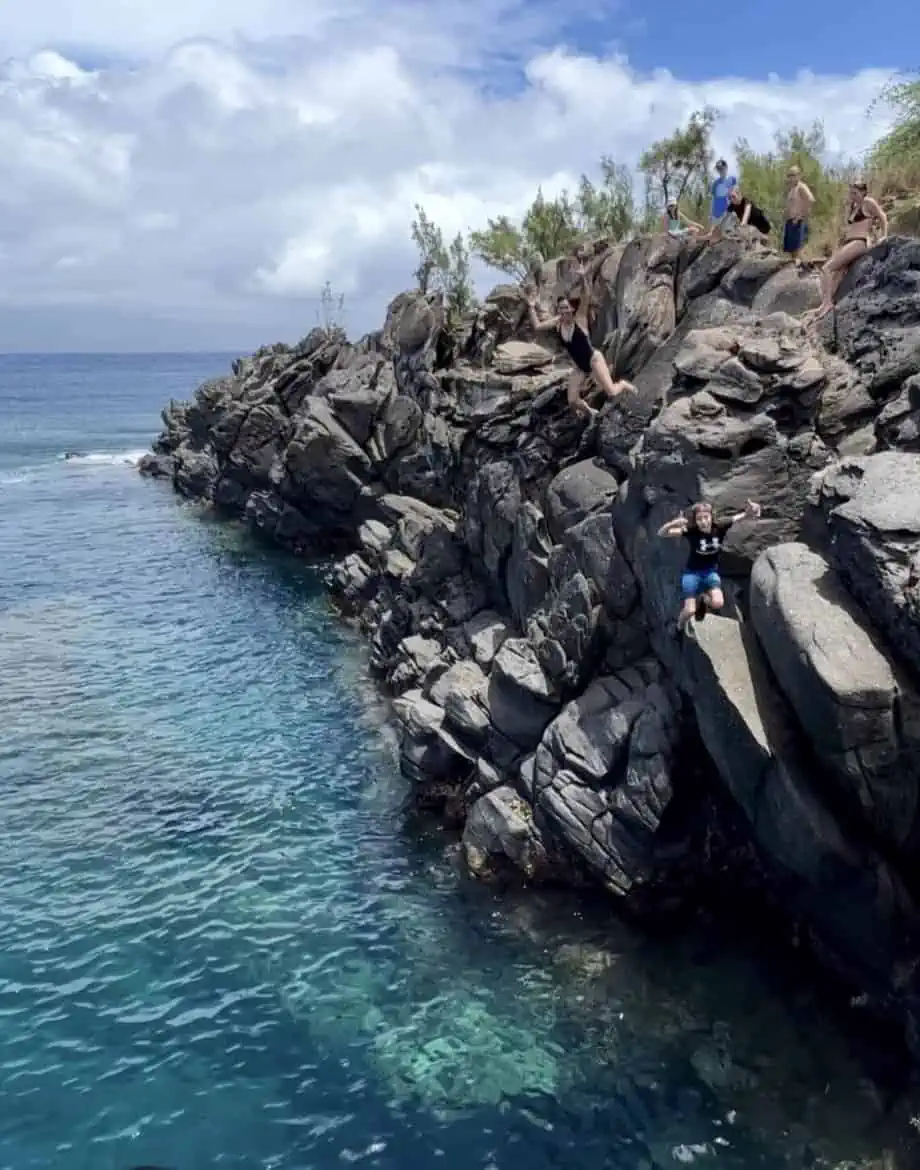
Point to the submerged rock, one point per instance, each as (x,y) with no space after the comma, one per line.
(502,557)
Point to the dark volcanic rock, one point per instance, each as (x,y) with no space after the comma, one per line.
(502,557)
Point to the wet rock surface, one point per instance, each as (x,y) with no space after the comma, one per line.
(501,556)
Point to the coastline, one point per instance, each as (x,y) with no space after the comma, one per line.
(500,559)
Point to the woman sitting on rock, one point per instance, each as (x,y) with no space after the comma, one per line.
(676,224)
(573,329)
(701,585)
(863,213)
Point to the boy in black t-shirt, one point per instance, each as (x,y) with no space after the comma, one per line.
(701,585)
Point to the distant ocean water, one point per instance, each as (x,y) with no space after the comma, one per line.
(222,944)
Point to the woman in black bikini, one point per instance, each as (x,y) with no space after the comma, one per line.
(862,214)
(571,324)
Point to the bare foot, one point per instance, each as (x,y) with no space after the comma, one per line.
(623,387)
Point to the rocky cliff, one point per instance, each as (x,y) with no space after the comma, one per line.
(501,556)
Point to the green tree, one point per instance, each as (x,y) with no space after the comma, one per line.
(607,209)
(434,261)
(899,149)
(551,226)
(459,283)
(677,167)
(444,270)
(501,245)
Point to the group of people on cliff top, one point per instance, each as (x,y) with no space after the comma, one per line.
(572,323)
(701,584)
(863,215)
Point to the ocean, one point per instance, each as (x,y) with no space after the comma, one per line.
(223,942)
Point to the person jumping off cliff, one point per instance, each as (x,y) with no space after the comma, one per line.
(573,329)
(700,583)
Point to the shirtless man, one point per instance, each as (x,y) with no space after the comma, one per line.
(799,202)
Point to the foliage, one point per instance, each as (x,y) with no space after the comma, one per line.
(459,283)
(550,226)
(608,209)
(553,227)
(331,312)
(442,269)
(900,147)
(433,259)
(677,167)
(762,177)
(674,167)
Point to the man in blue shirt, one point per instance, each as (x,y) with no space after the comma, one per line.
(720,189)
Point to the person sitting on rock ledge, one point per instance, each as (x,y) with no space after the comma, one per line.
(676,224)
(701,585)
(863,213)
(573,328)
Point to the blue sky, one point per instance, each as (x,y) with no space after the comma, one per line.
(188,174)
(753,40)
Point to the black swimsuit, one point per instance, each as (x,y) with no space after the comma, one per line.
(579,348)
(857,215)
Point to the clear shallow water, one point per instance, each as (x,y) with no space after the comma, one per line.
(220,943)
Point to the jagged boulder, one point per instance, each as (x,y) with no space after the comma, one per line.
(872,510)
(861,717)
(601,776)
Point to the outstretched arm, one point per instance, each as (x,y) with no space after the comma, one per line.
(584,298)
(536,324)
(746,215)
(751,512)
(879,216)
(689,222)
(675,527)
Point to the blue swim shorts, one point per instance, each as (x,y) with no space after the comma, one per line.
(795,236)
(694,584)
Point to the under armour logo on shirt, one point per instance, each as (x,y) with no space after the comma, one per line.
(709,544)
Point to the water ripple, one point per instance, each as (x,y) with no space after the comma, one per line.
(221,947)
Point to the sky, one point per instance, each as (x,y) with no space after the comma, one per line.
(188,174)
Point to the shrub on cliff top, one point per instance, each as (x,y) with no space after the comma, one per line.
(900,147)
(678,167)
(552,227)
(442,268)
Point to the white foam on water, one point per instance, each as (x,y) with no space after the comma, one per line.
(82,459)
(106,458)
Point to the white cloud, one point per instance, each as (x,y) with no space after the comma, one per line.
(197,173)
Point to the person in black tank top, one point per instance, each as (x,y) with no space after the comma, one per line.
(745,212)
(571,326)
(863,214)
(700,583)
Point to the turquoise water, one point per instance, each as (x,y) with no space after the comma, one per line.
(221,942)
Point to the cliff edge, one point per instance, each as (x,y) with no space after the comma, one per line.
(501,555)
